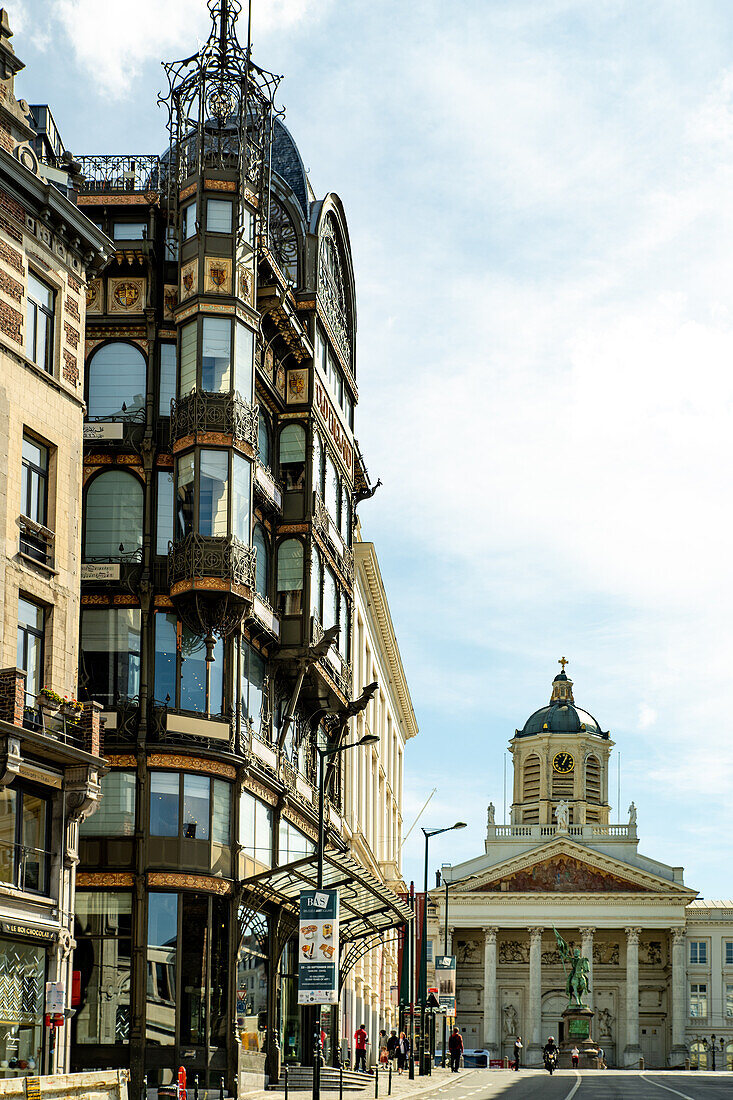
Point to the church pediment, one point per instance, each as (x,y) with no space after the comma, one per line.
(563,874)
(564,866)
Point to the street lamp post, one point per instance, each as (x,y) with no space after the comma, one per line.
(712,1048)
(422,994)
(445,952)
(325,754)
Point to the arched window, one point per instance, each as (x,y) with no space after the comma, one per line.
(290,577)
(531,779)
(698,1055)
(114,516)
(593,779)
(292,456)
(262,564)
(317,464)
(117,380)
(263,440)
(330,599)
(316,578)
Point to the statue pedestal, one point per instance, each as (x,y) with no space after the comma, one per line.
(577,1033)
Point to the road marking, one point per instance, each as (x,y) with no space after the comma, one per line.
(575,1087)
(666,1087)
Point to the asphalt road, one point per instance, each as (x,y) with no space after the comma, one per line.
(598,1085)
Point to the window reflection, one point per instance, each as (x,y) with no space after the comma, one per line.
(110,653)
(160,1022)
(290,577)
(117,382)
(216,351)
(213,493)
(102,957)
(292,456)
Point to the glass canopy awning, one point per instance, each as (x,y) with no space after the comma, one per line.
(366,904)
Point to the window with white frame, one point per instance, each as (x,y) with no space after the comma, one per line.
(728,1000)
(40,309)
(728,952)
(698,999)
(698,951)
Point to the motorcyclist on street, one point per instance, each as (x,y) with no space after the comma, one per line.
(550,1054)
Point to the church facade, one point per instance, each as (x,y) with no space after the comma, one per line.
(661,961)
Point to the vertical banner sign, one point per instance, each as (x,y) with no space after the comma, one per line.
(318,951)
(445,976)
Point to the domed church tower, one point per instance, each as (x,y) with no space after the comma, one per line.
(561,755)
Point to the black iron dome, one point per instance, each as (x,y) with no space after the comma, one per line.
(561,715)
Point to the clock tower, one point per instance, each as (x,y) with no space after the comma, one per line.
(560,755)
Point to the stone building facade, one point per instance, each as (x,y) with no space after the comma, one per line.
(661,961)
(50,758)
(373,782)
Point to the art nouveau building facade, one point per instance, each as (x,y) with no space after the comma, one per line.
(662,962)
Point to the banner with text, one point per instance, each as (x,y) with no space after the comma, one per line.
(318,952)
(445,978)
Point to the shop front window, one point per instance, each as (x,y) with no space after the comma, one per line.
(193,968)
(255,833)
(289,1011)
(102,958)
(252,979)
(22,977)
(160,1019)
(24,839)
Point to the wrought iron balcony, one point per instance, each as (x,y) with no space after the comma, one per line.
(120,173)
(270,490)
(224,413)
(207,558)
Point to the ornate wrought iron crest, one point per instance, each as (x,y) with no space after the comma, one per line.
(220,107)
(332,288)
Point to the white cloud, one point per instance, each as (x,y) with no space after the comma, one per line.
(647,716)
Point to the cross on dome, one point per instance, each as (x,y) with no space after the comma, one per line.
(563,661)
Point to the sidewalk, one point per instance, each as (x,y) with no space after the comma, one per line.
(401,1087)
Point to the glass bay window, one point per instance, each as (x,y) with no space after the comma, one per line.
(216,356)
(224,482)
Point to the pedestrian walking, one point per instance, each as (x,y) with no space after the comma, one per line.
(403,1051)
(455,1046)
(575,1055)
(383,1053)
(601,1058)
(393,1045)
(517,1052)
(360,1044)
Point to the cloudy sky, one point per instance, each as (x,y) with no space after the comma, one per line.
(539,199)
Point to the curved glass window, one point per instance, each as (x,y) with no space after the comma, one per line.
(292,456)
(290,577)
(244,349)
(330,599)
(316,579)
(185,495)
(331,494)
(241,521)
(253,688)
(180,667)
(188,359)
(117,382)
(213,493)
(114,516)
(164,528)
(115,815)
(110,653)
(262,570)
(255,832)
(263,440)
(317,464)
(216,354)
(167,378)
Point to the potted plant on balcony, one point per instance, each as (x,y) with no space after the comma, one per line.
(71,708)
(49,700)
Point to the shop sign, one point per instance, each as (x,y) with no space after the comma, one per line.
(100,571)
(445,975)
(39,775)
(96,430)
(332,422)
(55,997)
(318,953)
(12,928)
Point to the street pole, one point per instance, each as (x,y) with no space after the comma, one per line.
(445,952)
(411,1069)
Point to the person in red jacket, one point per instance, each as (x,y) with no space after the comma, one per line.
(455,1046)
(361,1039)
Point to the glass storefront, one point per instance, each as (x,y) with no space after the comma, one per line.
(103,931)
(252,971)
(290,1038)
(22,990)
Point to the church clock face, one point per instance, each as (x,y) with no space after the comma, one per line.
(563,763)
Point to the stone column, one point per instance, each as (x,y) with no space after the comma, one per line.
(586,950)
(632,1053)
(491,1017)
(534,1053)
(678,1052)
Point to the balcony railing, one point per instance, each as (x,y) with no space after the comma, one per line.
(25,868)
(541,832)
(36,541)
(120,173)
(214,412)
(268,487)
(222,557)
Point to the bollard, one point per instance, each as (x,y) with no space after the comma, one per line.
(145,1087)
(376,1082)
(641,1064)
(687,1065)
(221,1088)
(196,1087)
(389,1080)
(341,1080)
(285,1071)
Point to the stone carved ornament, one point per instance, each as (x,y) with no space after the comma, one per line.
(511,1020)
(513,951)
(651,953)
(605,1023)
(468,951)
